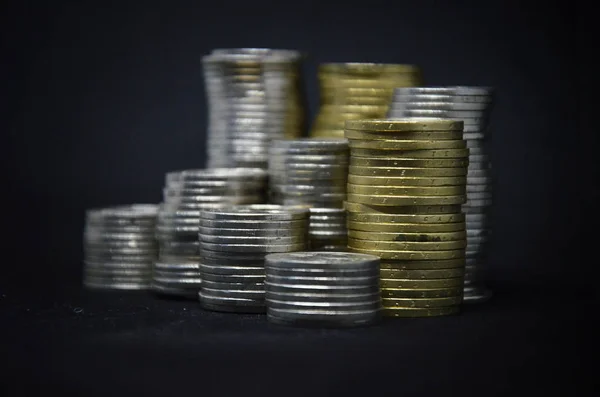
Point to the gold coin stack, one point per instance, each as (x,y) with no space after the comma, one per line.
(352,91)
(406,185)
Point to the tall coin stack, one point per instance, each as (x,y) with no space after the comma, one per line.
(351,91)
(254,95)
(473,105)
(313,173)
(186,193)
(337,289)
(233,244)
(119,247)
(406,184)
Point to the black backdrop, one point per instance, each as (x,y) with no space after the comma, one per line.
(102,98)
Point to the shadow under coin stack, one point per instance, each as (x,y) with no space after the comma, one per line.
(472,105)
(254,95)
(233,244)
(313,173)
(351,91)
(186,193)
(406,184)
(336,289)
(119,247)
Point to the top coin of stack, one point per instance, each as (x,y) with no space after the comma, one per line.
(119,247)
(472,105)
(406,184)
(350,91)
(186,193)
(254,95)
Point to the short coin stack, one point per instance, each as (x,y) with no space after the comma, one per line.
(350,91)
(233,245)
(473,105)
(186,193)
(327,229)
(406,184)
(119,247)
(337,289)
(312,173)
(254,95)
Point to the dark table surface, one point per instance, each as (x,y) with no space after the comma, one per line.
(523,341)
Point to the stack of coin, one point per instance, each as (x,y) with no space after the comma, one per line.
(406,184)
(473,105)
(186,193)
(327,229)
(119,247)
(313,173)
(254,95)
(350,91)
(336,289)
(233,244)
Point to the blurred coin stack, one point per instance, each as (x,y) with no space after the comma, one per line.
(473,105)
(254,95)
(119,247)
(186,193)
(313,173)
(351,91)
(233,244)
(406,185)
(336,289)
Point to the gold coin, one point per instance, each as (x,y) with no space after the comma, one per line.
(421,293)
(404,136)
(422,274)
(406,245)
(366,67)
(417,154)
(405,200)
(411,255)
(362,216)
(415,312)
(368,100)
(396,144)
(421,302)
(422,265)
(399,236)
(406,124)
(406,227)
(406,181)
(407,190)
(422,284)
(410,163)
(405,172)
(410,210)
(364,92)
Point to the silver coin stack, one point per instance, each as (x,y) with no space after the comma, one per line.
(119,247)
(335,289)
(473,105)
(313,173)
(233,245)
(254,95)
(186,193)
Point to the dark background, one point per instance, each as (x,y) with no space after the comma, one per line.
(100,99)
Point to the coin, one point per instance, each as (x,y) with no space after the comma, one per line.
(422,274)
(407,162)
(406,190)
(414,153)
(406,245)
(406,227)
(411,255)
(421,302)
(408,135)
(409,200)
(396,293)
(408,172)
(409,124)
(409,209)
(405,218)
(420,312)
(396,144)
(416,237)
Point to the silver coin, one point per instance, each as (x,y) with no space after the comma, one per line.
(265,212)
(259,233)
(100,271)
(232,278)
(472,180)
(251,240)
(404,98)
(233,286)
(176,266)
(318,259)
(342,317)
(252,224)
(409,91)
(479,196)
(317,274)
(183,274)
(322,297)
(264,248)
(257,296)
(233,270)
